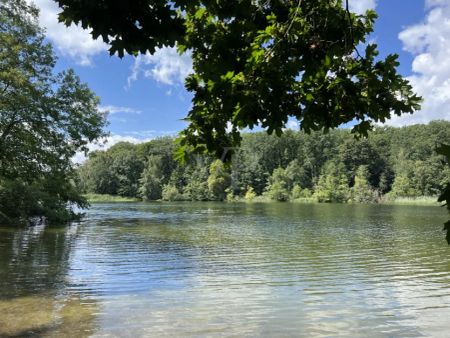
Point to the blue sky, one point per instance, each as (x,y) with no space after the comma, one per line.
(146,98)
(142,108)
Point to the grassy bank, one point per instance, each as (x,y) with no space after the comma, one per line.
(100,198)
(265,199)
(422,200)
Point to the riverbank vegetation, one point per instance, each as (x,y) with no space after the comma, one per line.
(392,165)
(104,198)
(45,118)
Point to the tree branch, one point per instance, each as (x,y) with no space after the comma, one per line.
(350,21)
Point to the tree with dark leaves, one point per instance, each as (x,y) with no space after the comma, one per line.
(45,118)
(259,62)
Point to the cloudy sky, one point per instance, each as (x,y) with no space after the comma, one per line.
(146,98)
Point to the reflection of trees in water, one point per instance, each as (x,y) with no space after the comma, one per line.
(34,259)
(34,262)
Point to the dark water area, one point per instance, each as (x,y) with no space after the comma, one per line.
(229,269)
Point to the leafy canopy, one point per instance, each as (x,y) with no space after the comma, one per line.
(445,196)
(45,118)
(259,62)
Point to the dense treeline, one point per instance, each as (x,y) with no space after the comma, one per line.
(333,167)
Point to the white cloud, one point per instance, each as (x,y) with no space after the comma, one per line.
(117,109)
(361,6)
(429,42)
(165,66)
(72,41)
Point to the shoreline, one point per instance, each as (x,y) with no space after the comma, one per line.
(420,200)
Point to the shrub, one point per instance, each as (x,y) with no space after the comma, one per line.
(171,193)
(250,194)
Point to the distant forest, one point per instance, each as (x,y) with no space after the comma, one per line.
(332,167)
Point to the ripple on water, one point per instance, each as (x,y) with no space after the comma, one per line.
(211,269)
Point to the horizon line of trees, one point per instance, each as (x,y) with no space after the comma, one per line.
(333,167)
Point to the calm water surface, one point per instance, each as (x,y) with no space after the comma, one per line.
(240,270)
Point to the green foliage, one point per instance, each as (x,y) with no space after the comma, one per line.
(259,63)
(45,118)
(44,199)
(127,169)
(218,181)
(230,196)
(116,172)
(250,194)
(171,193)
(152,179)
(430,176)
(298,193)
(333,184)
(257,168)
(196,188)
(403,185)
(296,175)
(128,26)
(278,186)
(357,153)
(249,166)
(445,196)
(97,176)
(362,192)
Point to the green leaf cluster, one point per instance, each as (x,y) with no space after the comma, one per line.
(218,180)
(278,186)
(45,118)
(362,191)
(333,184)
(259,63)
(444,150)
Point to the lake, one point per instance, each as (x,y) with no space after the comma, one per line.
(229,269)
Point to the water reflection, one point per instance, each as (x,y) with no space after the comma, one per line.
(212,269)
(34,301)
(34,259)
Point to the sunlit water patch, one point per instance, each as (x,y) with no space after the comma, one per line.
(217,269)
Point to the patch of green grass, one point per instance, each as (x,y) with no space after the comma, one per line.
(266,199)
(257,199)
(305,200)
(103,198)
(421,200)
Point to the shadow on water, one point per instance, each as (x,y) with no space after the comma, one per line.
(34,302)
